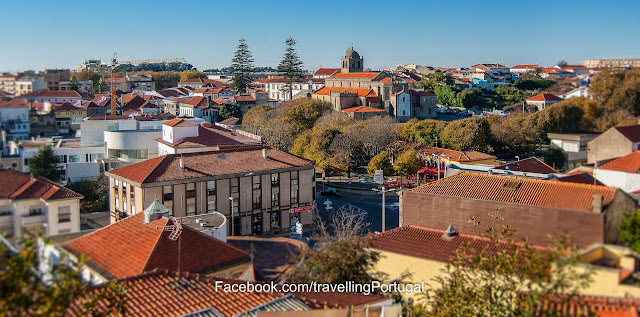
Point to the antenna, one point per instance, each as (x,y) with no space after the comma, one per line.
(176,232)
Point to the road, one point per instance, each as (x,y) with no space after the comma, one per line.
(371,202)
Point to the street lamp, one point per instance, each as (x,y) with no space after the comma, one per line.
(232,226)
(438,161)
(246,213)
(384,191)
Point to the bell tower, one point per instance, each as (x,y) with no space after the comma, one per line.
(351,62)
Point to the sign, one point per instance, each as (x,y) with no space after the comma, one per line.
(378,176)
(301,209)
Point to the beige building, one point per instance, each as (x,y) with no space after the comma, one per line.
(615,142)
(268,190)
(56,79)
(593,63)
(424,253)
(29,203)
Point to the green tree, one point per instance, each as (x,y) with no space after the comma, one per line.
(290,66)
(165,79)
(447,95)
(229,110)
(382,161)
(94,193)
(630,230)
(73,84)
(553,156)
(191,74)
(469,98)
(407,163)
(31,288)
(46,164)
(241,67)
(467,134)
(504,278)
(431,81)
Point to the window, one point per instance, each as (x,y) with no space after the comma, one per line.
(294,196)
(115,185)
(191,210)
(167,193)
(275,220)
(234,185)
(211,205)
(117,204)
(256,182)
(257,202)
(124,205)
(234,206)
(133,209)
(132,194)
(34,211)
(294,178)
(275,199)
(211,188)
(275,180)
(191,190)
(124,190)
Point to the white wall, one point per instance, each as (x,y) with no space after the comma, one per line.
(629,182)
(403,105)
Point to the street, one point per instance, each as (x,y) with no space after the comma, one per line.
(371,202)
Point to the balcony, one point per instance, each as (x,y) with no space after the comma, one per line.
(33,220)
(6,219)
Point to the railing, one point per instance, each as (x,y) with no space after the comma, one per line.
(33,219)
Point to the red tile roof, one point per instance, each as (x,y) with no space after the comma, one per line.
(130,247)
(53,93)
(528,165)
(14,103)
(545,97)
(456,156)
(420,93)
(631,132)
(360,91)
(16,185)
(223,162)
(371,75)
(4,94)
(363,109)
(244,98)
(326,71)
(177,122)
(579,177)
(520,190)
(629,163)
(211,82)
(598,306)
(429,244)
(164,293)
(67,107)
(324,300)
(198,101)
(212,136)
(525,66)
(230,121)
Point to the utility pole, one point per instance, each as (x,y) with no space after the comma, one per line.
(231,212)
(384,190)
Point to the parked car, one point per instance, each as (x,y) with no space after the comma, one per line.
(332,192)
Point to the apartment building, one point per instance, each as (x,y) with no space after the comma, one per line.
(261,191)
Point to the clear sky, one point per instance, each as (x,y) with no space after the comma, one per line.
(62,34)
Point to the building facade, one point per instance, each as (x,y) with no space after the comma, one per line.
(615,142)
(261,191)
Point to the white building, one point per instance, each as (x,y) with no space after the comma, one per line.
(53,96)
(523,68)
(132,145)
(30,203)
(14,119)
(623,172)
(276,87)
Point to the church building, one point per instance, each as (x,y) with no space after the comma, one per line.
(353,87)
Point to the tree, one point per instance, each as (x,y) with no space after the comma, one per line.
(382,161)
(562,62)
(431,81)
(241,67)
(94,193)
(503,278)
(31,288)
(447,95)
(407,163)
(46,164)
(165,79)
(471,99)
(229,110)
(630,230)
(470,134)
(290,66)
(191,74)
(553,156)
(73,84)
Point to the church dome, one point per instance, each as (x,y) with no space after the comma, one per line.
(351,53)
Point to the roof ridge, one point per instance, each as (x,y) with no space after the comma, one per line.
(154,167)
(155,244)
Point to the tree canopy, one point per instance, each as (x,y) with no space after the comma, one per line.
(229,110)
(191,74)
(290,66)
(241,67)
(630,230)
(46,164)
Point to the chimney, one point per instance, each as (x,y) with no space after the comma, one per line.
(155,211)
(181,163)
(264,153)
(596,207)
(450,233)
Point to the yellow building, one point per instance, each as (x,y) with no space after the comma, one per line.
(424,253)
(65,113)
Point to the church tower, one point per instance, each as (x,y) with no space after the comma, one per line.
(352,62)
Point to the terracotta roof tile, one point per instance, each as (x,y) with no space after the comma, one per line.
(599,306)
(326,71)
(580,178)
(629,163)
(130,247)
(631,132)
(16,185)
(429,244)
(243,98)
(545,97)
(53,93)
(177,122)
(14,103)
(528,165)
(371,75)
(519,190)
(67,107)
(212,136)
(228,161)
(360,91)
(363,109)
(421,93)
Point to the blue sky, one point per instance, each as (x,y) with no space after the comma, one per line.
(39,34)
